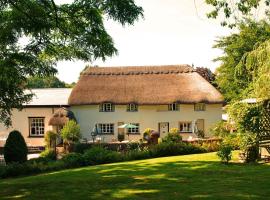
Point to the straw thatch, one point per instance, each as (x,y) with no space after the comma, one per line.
(61,117)
(143,85)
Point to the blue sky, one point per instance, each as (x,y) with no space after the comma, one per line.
(172,32)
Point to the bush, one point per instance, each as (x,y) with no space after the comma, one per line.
(225,153)
(81,147)
(15,149)
(50,139)
(73,160)
(48,154)
(171,149)
(71,132)
(99,155)
(134,146)
(173,136)
(136,155)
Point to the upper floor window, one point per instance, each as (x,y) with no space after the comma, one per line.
(36,126)
(173,107)
(135,129)
(132,107)
(106,128)
(106,107)
(185,127)
(199,107)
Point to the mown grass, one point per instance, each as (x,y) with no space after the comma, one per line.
(199,176)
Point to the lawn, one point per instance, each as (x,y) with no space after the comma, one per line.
(199,176)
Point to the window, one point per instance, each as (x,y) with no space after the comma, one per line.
(199,107)
(132,107)
(36,126)
(173,107)
(134,130)
(185,127)
(106,107)
(106,128)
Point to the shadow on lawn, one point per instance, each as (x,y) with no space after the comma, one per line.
(146,180)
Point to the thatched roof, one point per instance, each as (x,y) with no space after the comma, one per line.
(143,85)
(61,116)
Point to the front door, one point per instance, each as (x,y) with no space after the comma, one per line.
(163,129)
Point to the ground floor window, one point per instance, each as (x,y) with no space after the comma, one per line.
(185,127)
(134,130)
(36,126)
(106,128)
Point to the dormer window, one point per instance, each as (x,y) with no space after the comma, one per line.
(173,107)
(199,107)
(106,107)
(132,107)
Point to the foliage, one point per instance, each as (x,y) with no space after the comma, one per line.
(15,149)
(48,154)
(73,160)
(236,73)
(147,134)
(210,146)
(134,146)
(220,129)
(234,140)
(173,136)
(71,132)
(172,148)
(46,82)
(235,11)
(225,153)
(50,139)
(99,155)
(52,32)
(81,147)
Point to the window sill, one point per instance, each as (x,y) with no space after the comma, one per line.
(105,134)
(42,136)
(133,133)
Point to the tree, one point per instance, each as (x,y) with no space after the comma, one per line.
(15,149)
(46,82)
(71,132)
(234,12)
(233,79)
(36,34)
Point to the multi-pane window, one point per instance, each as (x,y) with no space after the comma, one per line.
(107,107)
(173,107)
(185,127)
(106,128)
(132,107)
(36,126)
(199,107)
(135,129)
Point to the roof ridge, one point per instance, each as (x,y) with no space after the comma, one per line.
(139,70)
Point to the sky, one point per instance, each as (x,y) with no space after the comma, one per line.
(172,32)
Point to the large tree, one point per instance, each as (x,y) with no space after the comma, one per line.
(35,34)
(236,73)
(47,82)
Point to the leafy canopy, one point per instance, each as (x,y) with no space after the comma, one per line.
(35,34)
(47,82)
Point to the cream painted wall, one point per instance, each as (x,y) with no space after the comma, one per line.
(147,117)
(20,122)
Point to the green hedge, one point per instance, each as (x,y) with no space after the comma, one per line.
(95,156)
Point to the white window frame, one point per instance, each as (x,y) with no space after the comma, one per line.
(187,127)
(173,107)
(107,107)
(132,107)
(36,125)
(134,130)
(106,128)
(199,107)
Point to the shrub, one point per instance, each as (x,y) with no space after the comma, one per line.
(171,149)
(173,136)
(99,155)
(221,129)
(48,154)
(211,146)
(137,155)
(50,139)
(15,149)
(71,132)
(225,153)
(134,146)
(81,147)
(73,160)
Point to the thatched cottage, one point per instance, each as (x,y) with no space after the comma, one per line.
(156,97)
